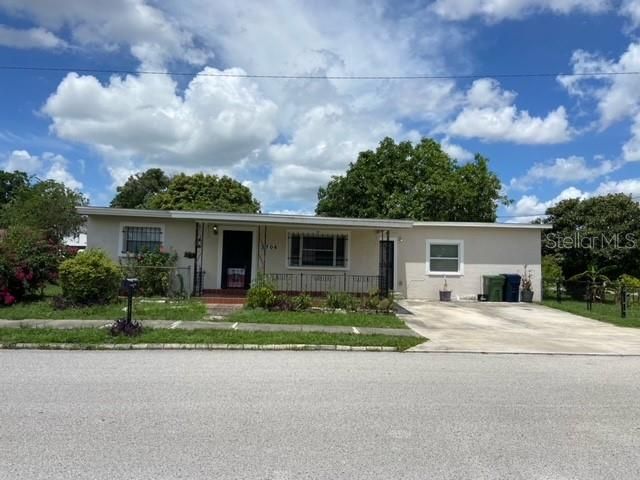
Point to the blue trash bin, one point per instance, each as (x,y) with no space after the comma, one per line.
(511,291)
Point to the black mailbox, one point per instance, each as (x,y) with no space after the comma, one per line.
(130,284)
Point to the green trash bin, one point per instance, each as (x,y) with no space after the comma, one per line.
(493,286)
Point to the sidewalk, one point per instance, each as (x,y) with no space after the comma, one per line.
(203,325)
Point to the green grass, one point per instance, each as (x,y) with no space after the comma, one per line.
(320,318)
(90,336)
(605,312)
(144,309)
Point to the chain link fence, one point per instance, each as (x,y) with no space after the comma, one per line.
(169,282)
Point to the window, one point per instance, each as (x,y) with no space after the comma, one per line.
(318,250)
(136,239)
(445,256)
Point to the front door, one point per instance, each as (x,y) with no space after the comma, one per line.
(387,267)
(237,250)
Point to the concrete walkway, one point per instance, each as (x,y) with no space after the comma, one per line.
(514,328)
(203,325)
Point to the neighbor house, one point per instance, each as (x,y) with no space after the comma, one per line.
(224,251)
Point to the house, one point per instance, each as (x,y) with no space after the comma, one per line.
(320,254)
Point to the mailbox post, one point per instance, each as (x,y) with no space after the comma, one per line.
(130,285)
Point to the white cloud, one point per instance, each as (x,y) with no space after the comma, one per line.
(564,170)
(58,170)
(490,114)
(456,151)
(48,166)
(529,207)
(216,122)
(326,139)
(151,36)
(286,136)
(631,148)
(496,10)
(23,161)
(629,186)
(631,9)
(617,96)
(29,38)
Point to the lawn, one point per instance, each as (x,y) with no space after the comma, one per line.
(605,312)
(318,318)
(88,336)
(144,309)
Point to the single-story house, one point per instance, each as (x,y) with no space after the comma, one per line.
(320,254)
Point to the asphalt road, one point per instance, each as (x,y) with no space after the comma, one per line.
(295,415)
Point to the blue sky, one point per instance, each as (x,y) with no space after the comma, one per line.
(548,138)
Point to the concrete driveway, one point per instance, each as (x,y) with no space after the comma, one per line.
(513,328)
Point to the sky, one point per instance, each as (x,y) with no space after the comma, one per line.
(574,132)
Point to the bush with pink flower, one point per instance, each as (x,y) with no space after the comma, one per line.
(27,262)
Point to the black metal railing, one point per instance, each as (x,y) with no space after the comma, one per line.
(319,283)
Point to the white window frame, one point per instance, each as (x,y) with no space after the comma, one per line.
(123,225)
(347,266)
(438,241)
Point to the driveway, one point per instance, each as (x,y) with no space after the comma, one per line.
(513,328)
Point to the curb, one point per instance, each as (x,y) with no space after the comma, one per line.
(549,354)
(188,346)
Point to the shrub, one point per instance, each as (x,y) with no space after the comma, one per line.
(90,278)
(629,281)
(155,270)
(385,305)
(261,295)
(27,262)
(378,302)
(341,300)
(551,270)
(301,302)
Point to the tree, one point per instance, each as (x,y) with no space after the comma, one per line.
(47,206)
(139,189)
(599,232)
(205,192)
(418,182)
(27,262)
(10,184)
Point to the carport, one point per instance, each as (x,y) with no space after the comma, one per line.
(513,328)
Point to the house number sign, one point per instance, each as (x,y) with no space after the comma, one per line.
(269,246)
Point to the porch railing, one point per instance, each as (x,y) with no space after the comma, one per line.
(318,283)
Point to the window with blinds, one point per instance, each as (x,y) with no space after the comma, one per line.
(444,257)
(317,250)
(141,239)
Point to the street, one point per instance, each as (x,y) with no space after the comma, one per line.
(291,415)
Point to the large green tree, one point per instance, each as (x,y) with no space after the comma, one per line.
(47,206)
(139,189)
(10,184)
(205,192)
(418,182)
(595,233)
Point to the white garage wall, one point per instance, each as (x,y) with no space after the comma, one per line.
(487,251)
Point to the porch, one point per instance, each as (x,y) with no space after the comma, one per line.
(229,257)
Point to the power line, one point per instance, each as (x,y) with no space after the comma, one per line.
(426,76)
(633,197)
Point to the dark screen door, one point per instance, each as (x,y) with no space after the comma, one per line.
(387,266)
(237,248)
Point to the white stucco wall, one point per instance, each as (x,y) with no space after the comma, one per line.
(486,251)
